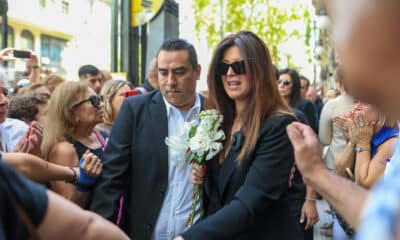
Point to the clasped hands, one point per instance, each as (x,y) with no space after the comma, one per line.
(356,128)
(90,168)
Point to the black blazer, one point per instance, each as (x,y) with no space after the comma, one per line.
(250,201)
(135,164)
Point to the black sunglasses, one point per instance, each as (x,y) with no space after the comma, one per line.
(285,82)
(94,100)
(238,67)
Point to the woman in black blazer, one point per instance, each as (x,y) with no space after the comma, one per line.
(246,186)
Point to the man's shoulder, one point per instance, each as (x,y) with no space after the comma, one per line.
(144,99)
(15,124)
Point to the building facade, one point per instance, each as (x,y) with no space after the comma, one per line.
(64,33)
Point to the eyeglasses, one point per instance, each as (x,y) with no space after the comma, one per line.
(94,100)
(238,67)
(285,82)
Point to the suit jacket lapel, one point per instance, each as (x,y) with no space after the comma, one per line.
(159,124)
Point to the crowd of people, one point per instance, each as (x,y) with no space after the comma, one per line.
(96,147)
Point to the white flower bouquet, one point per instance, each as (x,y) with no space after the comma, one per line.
(198,142)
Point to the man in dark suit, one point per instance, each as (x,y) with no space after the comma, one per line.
(137,165)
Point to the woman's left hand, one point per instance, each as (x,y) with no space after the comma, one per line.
(309,212)
(361,130)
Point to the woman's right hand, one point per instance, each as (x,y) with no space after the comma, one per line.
(90,168)
(197,174)
(91,164)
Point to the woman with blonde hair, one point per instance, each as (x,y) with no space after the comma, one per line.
(113,93)
(69,137)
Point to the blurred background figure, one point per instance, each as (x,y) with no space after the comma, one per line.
(330,95)
(92,76)
(31,106)
(106,75)
(52,81)
(113,93)
(289,88)
(304,85)
(151,83)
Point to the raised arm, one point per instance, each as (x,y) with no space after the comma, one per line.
(367,170)
(75,223)
(342,194)
(38,169)
(64,154)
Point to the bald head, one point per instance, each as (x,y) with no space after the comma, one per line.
(366,36)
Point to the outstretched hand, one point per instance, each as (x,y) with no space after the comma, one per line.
(308,153)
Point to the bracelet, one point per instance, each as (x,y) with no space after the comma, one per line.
(74,177)
(311,199)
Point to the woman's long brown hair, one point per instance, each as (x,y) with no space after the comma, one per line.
(263,100)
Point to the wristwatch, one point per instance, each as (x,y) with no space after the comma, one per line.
(359,149)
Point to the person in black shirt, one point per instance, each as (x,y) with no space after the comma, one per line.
(28,210)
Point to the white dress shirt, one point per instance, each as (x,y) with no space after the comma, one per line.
(177,203)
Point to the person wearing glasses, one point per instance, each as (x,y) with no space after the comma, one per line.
(69,137)
(114,93)
(302,198)
(289,88)
(246,185)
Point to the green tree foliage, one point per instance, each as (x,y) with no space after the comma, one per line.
(266,18)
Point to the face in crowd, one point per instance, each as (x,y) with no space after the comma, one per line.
(177,78)
(233,74)
(89,110)
(94,81)
(118,99)
(367,47)
(4,102)
(303,88)
(285,85)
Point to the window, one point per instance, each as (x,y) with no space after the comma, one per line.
(51,50)
(64,6)
(27,40)
(10,37)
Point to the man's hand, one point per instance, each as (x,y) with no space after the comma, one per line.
(179,238)
(309,212)
(6,54)
(308,153)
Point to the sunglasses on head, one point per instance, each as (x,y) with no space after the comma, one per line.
(238,67)
(94,100)
(285,82)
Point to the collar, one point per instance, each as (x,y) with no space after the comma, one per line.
(196,107)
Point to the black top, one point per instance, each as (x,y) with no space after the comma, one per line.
(31,197)
(250,201)
(307,108)
(81,149)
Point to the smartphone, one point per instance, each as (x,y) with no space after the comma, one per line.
(131,93)
(21,54)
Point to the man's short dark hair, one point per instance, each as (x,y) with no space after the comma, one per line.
(180,44)
(88,69)
(305,79)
